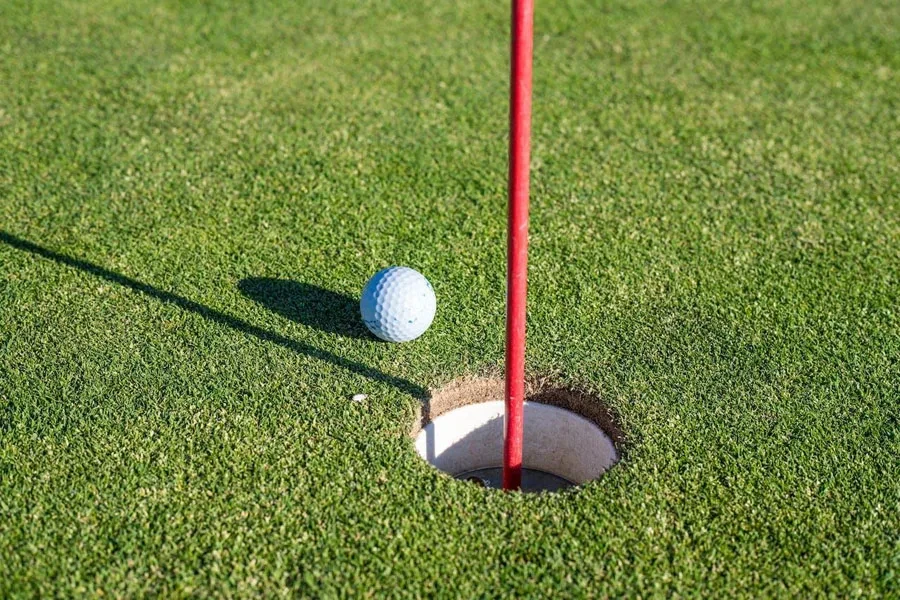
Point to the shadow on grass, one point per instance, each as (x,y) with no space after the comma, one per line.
(215,315)
(307,304)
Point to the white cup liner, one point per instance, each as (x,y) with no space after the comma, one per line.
(556,441)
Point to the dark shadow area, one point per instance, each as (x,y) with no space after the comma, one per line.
(307,304)
(214,315)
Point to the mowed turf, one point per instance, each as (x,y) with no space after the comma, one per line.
(193,194)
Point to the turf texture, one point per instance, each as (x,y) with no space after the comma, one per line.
(192,195)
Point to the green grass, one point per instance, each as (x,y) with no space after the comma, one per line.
(715,250)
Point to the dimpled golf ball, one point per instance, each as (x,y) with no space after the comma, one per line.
(398,304)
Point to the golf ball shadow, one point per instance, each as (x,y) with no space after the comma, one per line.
(308,304)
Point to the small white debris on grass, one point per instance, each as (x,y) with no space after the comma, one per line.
(359,397)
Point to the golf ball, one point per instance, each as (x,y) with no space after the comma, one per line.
(398,304)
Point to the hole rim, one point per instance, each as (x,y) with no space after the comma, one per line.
(546,390)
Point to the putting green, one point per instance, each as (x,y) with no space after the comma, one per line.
(193,194)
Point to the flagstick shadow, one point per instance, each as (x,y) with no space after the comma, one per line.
(215,315)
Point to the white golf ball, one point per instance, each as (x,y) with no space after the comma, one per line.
(398,304)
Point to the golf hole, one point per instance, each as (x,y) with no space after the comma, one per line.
(570,438)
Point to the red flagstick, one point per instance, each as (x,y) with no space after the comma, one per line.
(517,238)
